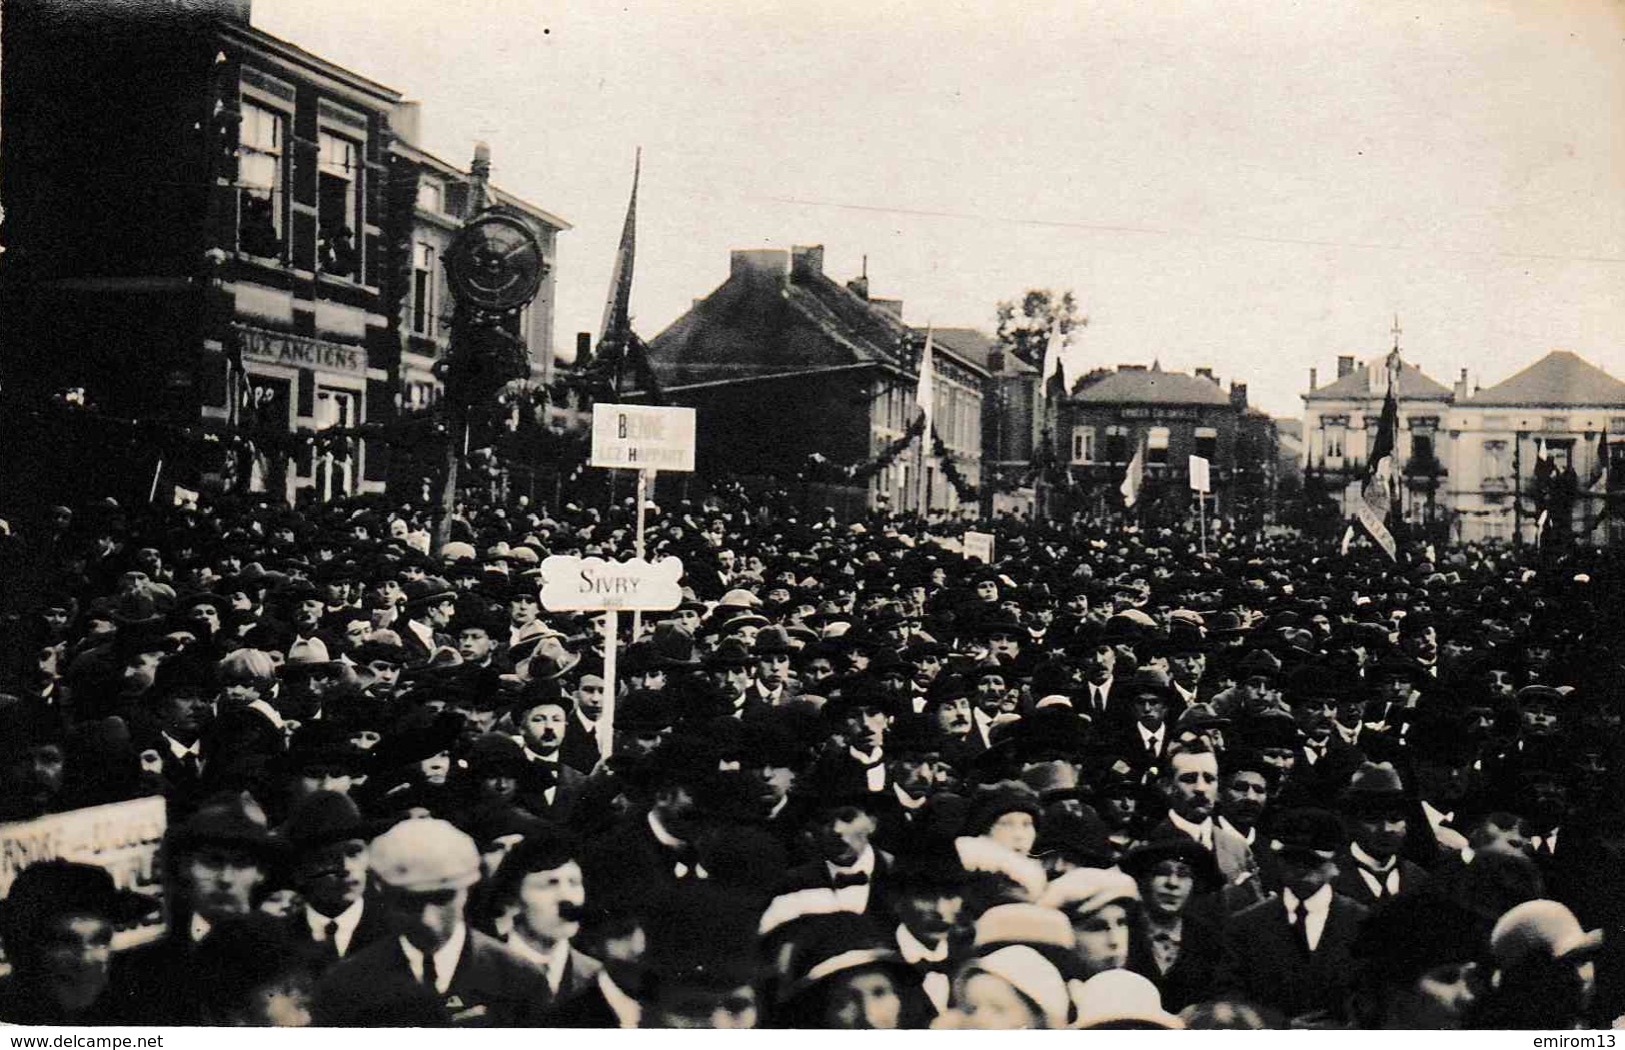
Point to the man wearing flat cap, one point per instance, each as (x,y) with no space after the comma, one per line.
(436,971)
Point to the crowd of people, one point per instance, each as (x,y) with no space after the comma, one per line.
(854,780)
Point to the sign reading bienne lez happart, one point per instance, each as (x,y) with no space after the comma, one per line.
(642,437)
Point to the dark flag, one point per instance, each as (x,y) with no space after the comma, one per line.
(1378,488)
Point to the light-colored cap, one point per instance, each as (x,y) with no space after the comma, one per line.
(1119,996)
(1083,891)
(423,855)
(1540,927)
(1032,975)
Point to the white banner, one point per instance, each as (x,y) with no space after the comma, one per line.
(122,837)
(979,545)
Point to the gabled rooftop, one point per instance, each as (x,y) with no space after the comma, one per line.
(1414,385)
(1153,386)
(1560,379)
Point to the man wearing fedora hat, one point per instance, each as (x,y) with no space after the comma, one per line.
(436,970)
(1376,811)
(1291,952)
(327,846)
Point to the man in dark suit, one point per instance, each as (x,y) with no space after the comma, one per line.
(328,843)
(1291,953)
(431,604)
(1145,738)
(438,971)
(1323,762)
(1370,868)
(1101,697)
(550,788)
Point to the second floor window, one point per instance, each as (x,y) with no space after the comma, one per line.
(431,197)
(1334,443)
(1156,445)
(1206,444)
(423,298)
(259,178)
(337,197)
(1083,444)
(1116,444)
(1495,460)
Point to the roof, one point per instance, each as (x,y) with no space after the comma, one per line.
(1414,385)
(975,347)
(1155,387)
(769,320)
(498,195)
(1559,378)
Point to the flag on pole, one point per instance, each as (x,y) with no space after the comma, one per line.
(1134,477)
(926,389)
(1379,487)
(1053,365)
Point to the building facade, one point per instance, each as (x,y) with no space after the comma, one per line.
(1340,422)
(1171,416)
(802,381)
(1535,443)
(214,240)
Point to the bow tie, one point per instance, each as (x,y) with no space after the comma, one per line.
(844,879)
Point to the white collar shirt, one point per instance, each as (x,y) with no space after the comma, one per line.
(1202,832)
(347,920)
(445,959)
(855,898)
(1319,905)
(1381,877)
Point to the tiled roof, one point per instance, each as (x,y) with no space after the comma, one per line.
(1559,378)
(763,322)
(975,347)
(1356,386)
(1156,387)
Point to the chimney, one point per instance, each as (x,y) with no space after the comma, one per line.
(1345,365)
(1238,396)
(859,285)
(1461,386)
(806,261)
(772,261)
(407,121)
(995,360)
(583,346)
(1314,375)
(1205,373)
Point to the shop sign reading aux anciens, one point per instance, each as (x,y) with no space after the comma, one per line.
(281,348)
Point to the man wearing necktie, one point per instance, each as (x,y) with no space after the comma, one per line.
(1292,952)
(1377,815)
(328,843)
(437,971)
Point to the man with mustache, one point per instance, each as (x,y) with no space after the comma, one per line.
(550,788)
(538,895)
(328,842)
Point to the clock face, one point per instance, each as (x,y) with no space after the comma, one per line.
(495,263)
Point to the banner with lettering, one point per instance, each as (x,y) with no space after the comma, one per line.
(121,837)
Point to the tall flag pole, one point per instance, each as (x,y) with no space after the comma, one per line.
(614,334)
(1378,487)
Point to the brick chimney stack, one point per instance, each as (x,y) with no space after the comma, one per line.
(1345,365)
(1314,375)
(1238,396)
(1461,386)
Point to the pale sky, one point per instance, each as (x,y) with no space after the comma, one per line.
(1255,186)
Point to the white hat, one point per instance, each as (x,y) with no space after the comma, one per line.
(1540,926)
(1084,891)
(1029,973)
(1113,997)
(423,855)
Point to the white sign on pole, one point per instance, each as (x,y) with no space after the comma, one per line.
(642,437)
(979,545)
(1201,480)
(571,584)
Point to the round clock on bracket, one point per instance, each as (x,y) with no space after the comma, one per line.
(495,263)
